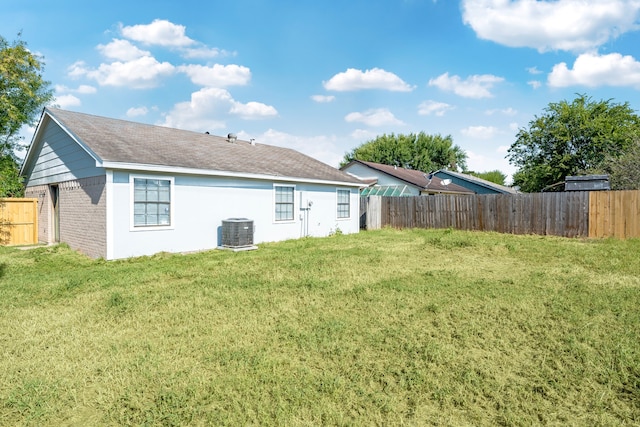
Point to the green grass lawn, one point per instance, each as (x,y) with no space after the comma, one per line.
(413,327)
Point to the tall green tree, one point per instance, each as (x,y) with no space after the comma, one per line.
(23,93)
(494,176)
(10,180)
(624,171)
(420,151)
(571,138)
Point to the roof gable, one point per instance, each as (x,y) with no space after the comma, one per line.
(491,186)
(414,177)
(54,155)
(115,143)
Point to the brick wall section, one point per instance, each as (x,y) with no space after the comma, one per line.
(82,208)
(83,215)
(41,192)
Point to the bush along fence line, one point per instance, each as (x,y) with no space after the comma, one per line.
(567,214)
(18,221)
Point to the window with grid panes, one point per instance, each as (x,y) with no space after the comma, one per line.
(344,210)
(151,202)
(284,203)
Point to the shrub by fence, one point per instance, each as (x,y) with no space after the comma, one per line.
(18,221)
(568,214)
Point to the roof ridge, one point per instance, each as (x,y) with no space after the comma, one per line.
(124,142)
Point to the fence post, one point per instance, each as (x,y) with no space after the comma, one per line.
(374,213)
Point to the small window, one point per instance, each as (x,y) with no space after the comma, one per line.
(284,203)
(151,202)
(344,205)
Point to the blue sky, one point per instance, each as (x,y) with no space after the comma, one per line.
(324,77)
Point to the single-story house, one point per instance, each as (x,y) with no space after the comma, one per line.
(116,189)
(475,184)
(386,180)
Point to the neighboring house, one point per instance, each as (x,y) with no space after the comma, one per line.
(385,180)
(115,189)
(475,184)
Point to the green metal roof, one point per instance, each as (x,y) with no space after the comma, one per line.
(386,190)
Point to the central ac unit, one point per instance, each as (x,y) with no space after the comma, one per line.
(237,233)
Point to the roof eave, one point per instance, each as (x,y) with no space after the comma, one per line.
(210,172)
(459,193)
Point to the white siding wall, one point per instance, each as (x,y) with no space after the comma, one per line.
(60,159)
(201,203)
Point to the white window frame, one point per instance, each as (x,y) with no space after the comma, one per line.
(338,191)
(293,208)
(171,225)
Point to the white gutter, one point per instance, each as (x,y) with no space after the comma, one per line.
(209,172)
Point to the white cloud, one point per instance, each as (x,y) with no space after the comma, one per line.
(204,52)
(65,97)
(66,101)
(534,70)
(86,89)
(202,112)
(141,73)
(480,132)
(363,135)
(438,109)
(320,147)
(136,112)
(217,75)
(122,50)
(253,110)
(476,86)
(167,34)
(82,89)
(323,98)
(535,84)
(77,69)
(485,163)
(374,117)
(594,70)
(574,25)
(160,32)
(514,127)
(208,108)
(506,111)
(375,78)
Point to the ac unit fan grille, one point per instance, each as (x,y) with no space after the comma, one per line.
(237,232)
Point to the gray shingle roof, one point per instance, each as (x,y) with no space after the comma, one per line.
(416,177)
(122,141)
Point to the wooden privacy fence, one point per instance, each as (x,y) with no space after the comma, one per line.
(18,221)
(614,214)
(568,214)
